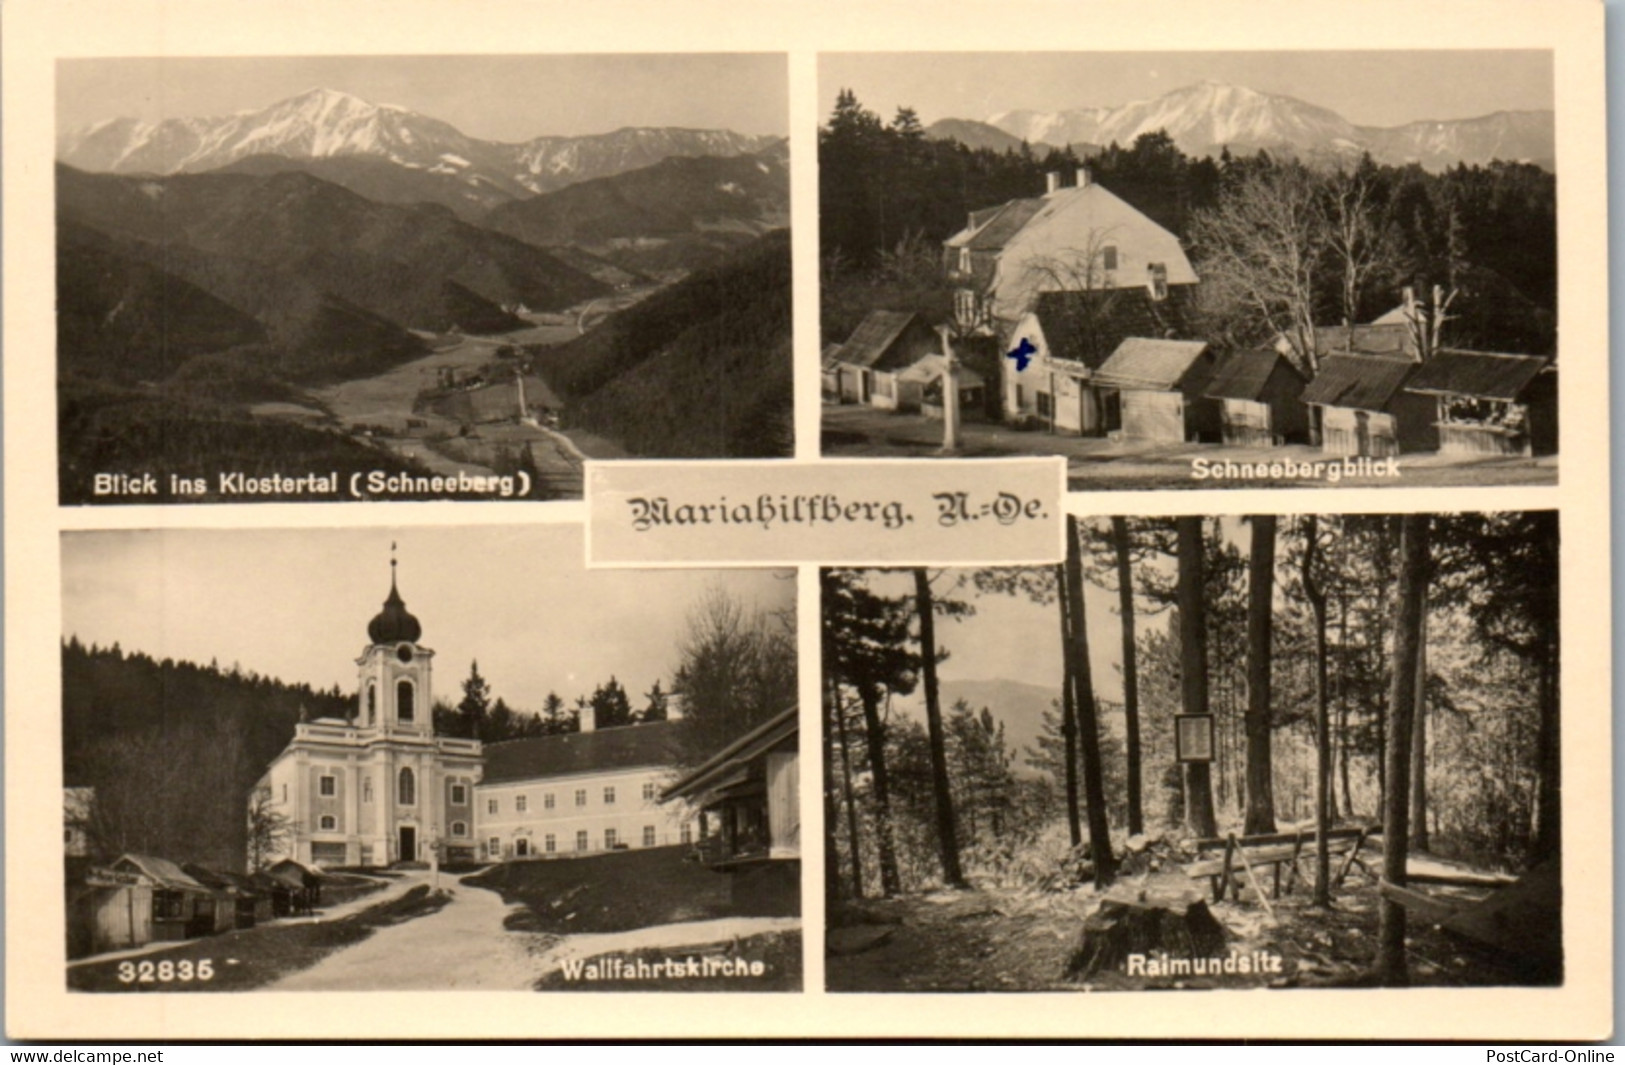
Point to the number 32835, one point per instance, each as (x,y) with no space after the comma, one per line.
(165,972)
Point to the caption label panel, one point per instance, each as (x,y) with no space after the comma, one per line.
(940,512)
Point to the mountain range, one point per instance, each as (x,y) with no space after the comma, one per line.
(1208,116)
(384,152)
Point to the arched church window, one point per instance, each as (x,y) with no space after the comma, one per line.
(404,710)
(372,703)
(408,788)
(329,822)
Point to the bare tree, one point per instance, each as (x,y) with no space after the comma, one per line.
(1359,238)
(269,829)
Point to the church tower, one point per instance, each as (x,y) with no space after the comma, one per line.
(395,673)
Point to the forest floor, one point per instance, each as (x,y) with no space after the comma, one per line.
(1004,939)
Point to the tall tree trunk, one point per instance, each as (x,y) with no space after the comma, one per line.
(1131,677)
(1069,712)
(1260,819)
(1343,702)
(1408,604)
(885,832)
(1323,740)
(832,879)
(851,802)
(947,837)
(1094,787)
(1419,743)
(1193,671)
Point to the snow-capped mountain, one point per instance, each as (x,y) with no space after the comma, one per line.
(326,124)
(1208,116)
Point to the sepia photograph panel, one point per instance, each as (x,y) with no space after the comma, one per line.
(267,786)
(1310,751)
(315,279)
(1194,269)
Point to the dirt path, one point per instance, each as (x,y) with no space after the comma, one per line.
(462,947)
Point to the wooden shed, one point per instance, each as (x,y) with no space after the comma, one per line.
(243,905)
(924,381)
(884,344)
(134,901)
(1156,390)
(1487,403)
(750,811)
(1358,406)
(1260,396)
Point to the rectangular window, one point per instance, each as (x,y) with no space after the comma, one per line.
(494,846)
(459,829)
(459,794)
(547,801)
(649,792)
(609,839)
(329,786)
(581,796)
(551,843)
(329,823)
(167,905)
(1045,405)
(520,804)
(964,260)
(687,835)
(1108,257)
(491,806)
(609,795)
(581,840)
(648,835)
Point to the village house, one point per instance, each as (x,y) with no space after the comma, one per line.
(580,793)
(749,799)
(1489,403)
(1068,337)
(1072,239)
(1358,406)
(1260,394)
(883,345)
(1156,390)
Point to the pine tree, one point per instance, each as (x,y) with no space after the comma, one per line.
(476,702)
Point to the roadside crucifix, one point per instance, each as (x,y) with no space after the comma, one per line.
(950,395)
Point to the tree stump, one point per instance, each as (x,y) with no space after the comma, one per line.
(1160,915)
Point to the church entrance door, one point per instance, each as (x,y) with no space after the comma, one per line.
(409,843)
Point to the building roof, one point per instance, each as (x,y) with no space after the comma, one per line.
(161,871)
(394,624)
(930,367)
(1244,374)
(1086,327)
(627,747)
(992,229)
(732,758)
(1140,362)
(1363,382)
(874,336)
(1485,374)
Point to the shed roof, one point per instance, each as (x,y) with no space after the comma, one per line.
(874,336)
(161,871)
(1244,374)
(1485,374)
(1363,382)
(726,763)
(628,747)
(1140,362)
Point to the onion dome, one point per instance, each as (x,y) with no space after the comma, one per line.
(394,624)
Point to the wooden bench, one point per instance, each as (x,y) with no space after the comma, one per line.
(1275,850)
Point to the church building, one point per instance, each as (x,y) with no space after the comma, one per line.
(380,787)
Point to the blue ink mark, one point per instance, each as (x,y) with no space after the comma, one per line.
(1023,354)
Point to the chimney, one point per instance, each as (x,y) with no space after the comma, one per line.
(589,719)
(1052,182)
(1084,177)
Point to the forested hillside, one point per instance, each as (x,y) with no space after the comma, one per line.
(701,368)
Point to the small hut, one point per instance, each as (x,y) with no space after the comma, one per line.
(923,382)
(243,905)
(1155,390)
(1488,403)
(134,901)
(1260,396)
(884,344)
(1358,406)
